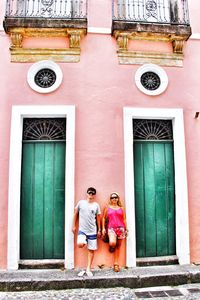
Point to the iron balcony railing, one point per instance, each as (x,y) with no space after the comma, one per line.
(151,11)
(54,9)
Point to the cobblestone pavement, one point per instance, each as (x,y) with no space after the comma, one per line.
(188,292)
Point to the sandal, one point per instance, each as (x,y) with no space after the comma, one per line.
(81,273)
(111,249)
(89,273)
(116,268)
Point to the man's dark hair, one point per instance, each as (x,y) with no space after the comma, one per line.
(91,189)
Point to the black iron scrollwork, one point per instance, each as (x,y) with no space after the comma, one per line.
(44,129)
(152,129)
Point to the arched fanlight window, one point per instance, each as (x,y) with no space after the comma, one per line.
(44,129)
(152,129)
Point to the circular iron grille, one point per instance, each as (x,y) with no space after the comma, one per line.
(150,81)
(47,2)
(45,78)
(151,5)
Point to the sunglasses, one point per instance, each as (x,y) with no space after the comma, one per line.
(91,193)
(114,197)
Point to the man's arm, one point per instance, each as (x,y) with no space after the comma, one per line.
(104,221)
(98,225)
(74,220)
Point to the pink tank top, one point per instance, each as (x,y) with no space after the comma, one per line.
(115,218)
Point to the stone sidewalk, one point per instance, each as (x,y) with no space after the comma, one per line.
(133,278)
(183,292)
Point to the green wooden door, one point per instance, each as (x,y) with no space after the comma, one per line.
(42,200)
(154,198)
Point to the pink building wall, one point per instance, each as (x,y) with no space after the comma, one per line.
(100,88)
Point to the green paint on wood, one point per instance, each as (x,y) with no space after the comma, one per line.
(42,201)
(154,198)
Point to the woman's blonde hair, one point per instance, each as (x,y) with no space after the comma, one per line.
(118,201)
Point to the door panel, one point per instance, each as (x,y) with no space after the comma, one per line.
(149,206)
(154,198)
(42,200)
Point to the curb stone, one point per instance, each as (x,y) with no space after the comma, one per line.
(139,277)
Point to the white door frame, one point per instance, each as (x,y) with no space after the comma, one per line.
(40,111)
(181,192)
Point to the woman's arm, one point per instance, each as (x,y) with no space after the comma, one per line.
(104,220)
(124,218)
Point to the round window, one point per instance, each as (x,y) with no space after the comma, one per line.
(151,79)
(44,76)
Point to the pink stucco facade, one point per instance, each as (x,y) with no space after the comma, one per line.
(100,88)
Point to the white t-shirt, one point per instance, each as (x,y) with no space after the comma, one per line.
(87,216)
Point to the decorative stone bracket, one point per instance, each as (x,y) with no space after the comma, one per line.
(21,54)
(140,57)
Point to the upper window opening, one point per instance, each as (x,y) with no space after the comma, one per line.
(67,9)
(44,129)
(156,11)
(152,129)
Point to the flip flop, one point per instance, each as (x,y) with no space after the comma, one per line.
(89,274)
(81,273)
(116,268)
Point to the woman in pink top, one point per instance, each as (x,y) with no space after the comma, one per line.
(114,216)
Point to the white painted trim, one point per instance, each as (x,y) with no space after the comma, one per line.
(155,69)
(2,13)
(195,36)
(18,113)
(3,9)
(40,261)
(38,66)
(181,199)
(99,30)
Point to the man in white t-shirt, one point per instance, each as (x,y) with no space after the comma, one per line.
(89,226)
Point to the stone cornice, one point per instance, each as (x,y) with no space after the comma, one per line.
(177,35)
(10,23)
(21,54)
